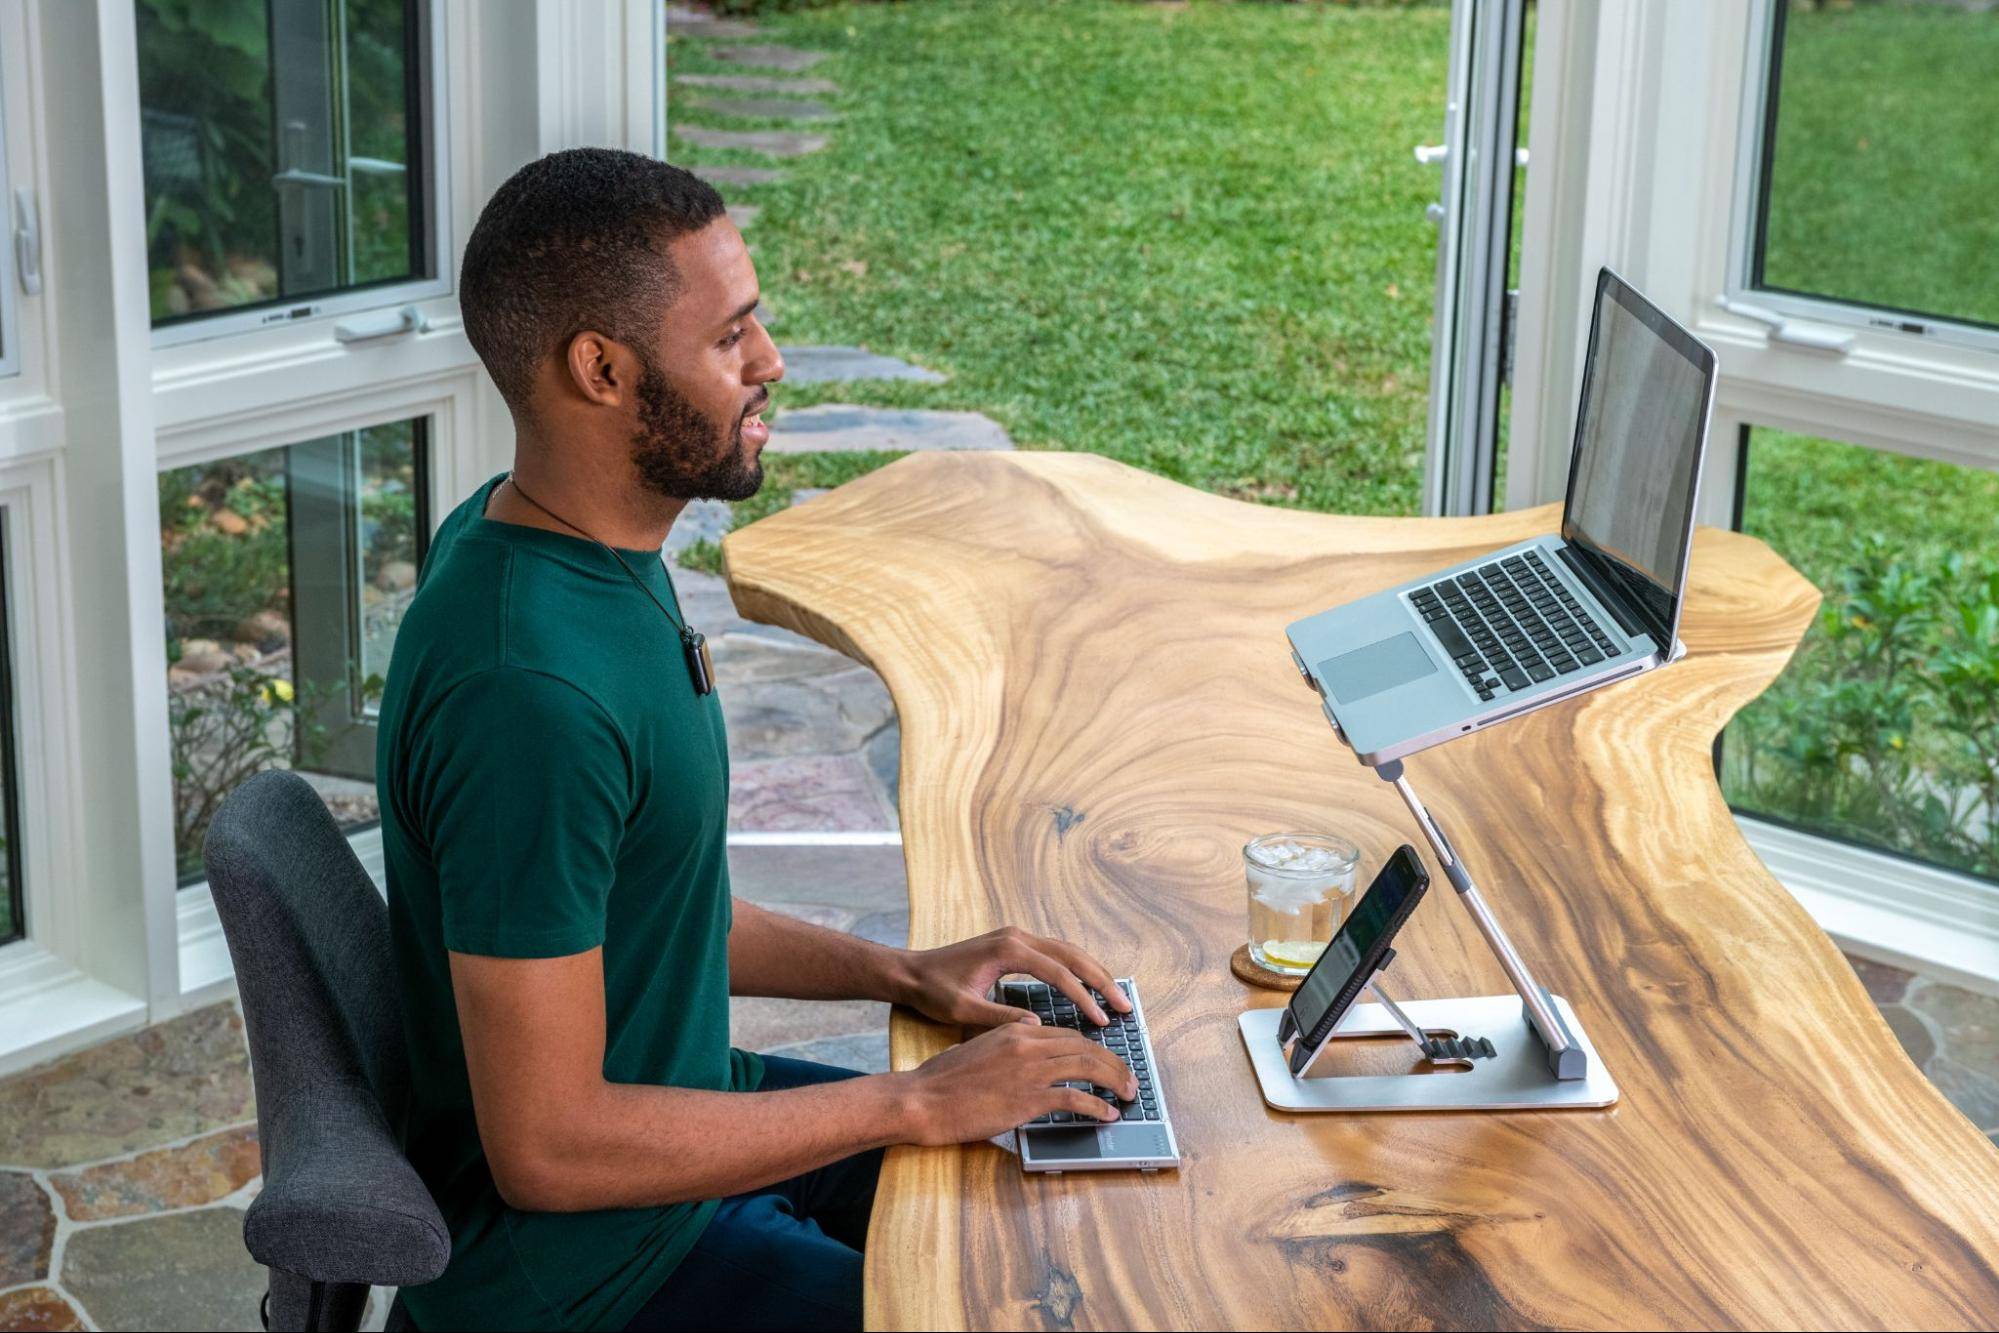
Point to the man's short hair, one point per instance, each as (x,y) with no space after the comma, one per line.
(577,240)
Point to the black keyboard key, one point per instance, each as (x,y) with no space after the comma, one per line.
(1515,678)
(1454,641)
(1539,672)
(1588,656)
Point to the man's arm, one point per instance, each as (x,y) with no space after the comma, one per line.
(560,1138)
(779,956)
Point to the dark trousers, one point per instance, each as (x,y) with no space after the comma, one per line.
(783,1257)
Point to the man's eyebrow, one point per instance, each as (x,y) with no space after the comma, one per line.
(753,303)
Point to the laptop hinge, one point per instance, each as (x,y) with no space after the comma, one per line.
(1607,592)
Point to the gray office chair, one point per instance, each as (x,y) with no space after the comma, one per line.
(341,1207)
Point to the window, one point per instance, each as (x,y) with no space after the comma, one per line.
(18,226)
(1884,729)
(13,921)
(286,573)
(285,146)
(1875,166)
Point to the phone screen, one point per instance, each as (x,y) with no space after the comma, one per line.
(1354,942)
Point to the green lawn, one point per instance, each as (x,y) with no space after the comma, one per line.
(1191,239)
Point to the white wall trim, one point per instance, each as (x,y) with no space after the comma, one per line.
(1886,907)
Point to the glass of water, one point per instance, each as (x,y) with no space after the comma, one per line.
(1299,884)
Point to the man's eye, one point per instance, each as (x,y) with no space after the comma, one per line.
(733,338)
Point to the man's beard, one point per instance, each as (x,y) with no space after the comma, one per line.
(682,454)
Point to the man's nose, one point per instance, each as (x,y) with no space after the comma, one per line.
(769,367)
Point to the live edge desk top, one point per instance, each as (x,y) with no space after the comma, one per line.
(1098,710)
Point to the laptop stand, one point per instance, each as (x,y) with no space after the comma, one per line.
(1523,1051)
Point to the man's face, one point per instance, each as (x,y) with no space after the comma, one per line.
(701,394)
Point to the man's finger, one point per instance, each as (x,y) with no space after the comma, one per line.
(1101,1068)
(1089,969)
(984,1013)
(1044,968)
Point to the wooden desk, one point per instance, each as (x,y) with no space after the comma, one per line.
(1098,709)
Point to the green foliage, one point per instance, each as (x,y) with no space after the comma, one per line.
(224,731)
(1886,728)
(214,578)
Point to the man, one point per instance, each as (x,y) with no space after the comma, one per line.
(554,785)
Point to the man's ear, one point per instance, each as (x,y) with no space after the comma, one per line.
(602,369)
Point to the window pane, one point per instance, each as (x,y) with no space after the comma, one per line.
(1884,729)
(281,149)
(286,573)
(13,922)
(1882,157)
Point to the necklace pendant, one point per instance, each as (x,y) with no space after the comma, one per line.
(700,666)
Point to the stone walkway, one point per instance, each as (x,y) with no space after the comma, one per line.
(125,1169)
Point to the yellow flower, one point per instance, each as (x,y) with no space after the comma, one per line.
(1859,622)
(278,691)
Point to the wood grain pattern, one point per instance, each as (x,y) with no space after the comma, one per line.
(1098,710)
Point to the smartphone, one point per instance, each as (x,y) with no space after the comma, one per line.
(1358,951)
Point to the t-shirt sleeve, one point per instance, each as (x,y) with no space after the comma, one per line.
(526,787)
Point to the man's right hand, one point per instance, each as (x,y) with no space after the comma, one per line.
(1010,1075)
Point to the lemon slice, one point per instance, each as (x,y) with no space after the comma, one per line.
(1293,953)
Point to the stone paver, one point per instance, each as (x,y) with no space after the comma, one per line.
(684,22)
(845,428)
(27,1229)
(788,58)
(764,108)
(812,793)
(742,658)
(833,714)
(861,879)
(738,175)
(759,83)
(771,143)
(701,520)
(815,364)
(763,1025)
(1885,984)
(743,214)
(181,1271)
(184,1077)
(1966,1022)
(201,1172)
(38,1310)
(866,1053)
(1912,1032)
(883,754)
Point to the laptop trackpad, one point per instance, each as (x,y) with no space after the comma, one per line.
(1379,666)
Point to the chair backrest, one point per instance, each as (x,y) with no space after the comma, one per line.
(309,935)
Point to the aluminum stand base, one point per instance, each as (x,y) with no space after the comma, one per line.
(1516,1079)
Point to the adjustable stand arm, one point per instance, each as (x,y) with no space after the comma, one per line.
(1566,1057)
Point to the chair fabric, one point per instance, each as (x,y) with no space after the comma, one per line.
(341,1208)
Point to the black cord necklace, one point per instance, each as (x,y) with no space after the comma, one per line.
(693,645)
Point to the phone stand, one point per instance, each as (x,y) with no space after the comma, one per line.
(1540,1056)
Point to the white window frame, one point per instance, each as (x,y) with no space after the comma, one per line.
(10,236)
(1743,297)
(1637,140)
(323,313)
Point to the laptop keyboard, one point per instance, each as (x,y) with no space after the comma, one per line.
(1511,624)
(1125,1036)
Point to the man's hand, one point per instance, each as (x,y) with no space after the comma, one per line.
(1006,1077)
(951,984)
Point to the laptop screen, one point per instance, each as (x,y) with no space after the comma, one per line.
(1640,429)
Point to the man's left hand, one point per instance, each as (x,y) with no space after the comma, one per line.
(952,984)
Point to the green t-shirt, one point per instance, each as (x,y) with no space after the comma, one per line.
(550,782)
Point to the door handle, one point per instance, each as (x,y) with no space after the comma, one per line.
(1431,153)
(27,242)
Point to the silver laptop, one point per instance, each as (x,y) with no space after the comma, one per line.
(1557,616)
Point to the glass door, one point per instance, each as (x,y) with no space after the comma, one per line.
(1474,214)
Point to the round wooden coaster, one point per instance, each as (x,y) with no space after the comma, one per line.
(1249,970)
